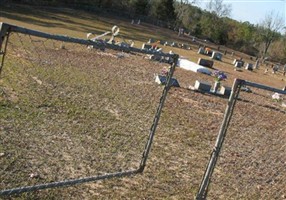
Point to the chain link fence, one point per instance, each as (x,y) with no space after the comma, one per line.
(72,114)
(253,151)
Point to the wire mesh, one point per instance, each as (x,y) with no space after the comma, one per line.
(69,112)
(253,154)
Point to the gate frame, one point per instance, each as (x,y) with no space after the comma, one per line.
(7,29)
(236,87)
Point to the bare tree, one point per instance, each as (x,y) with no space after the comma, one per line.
(182,9)
(269,30)
(188,1)
(219,8)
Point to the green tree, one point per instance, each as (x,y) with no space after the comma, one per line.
(164,10)
(214,28)
(141,7)
(190,19)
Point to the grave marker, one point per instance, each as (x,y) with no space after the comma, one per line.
(166,44)
(185,46)
(151,40)
(174,44)
(224,90)
(256,66)
(163,80)
(201,50)
(249,66)
(205,63)
(146,46)
(208,51)
(217,56)
(238,64)
(162,42)
(241,63)
(202,86)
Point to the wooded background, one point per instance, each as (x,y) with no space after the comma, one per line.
(214,24)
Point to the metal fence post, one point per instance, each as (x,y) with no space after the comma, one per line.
(3,33)
(202,193)
(158,114)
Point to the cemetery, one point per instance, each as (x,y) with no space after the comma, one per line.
(83,97)
(205,62)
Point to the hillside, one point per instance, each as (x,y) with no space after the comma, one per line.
(69,112)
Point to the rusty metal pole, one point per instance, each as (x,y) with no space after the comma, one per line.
(4,37)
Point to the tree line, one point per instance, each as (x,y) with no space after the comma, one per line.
(263,40)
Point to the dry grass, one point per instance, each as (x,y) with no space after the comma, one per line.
(69,113)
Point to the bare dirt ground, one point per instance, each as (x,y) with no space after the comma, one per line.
(71,113)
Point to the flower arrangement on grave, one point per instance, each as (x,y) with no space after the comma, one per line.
(219,76)
(277,97)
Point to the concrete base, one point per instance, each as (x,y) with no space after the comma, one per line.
(224,90)
(202,86)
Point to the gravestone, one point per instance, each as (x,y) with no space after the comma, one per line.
(256,66)
(124,44)
(174,44)
(208,51)
(201,50)
(185,46)
(241,63)
(166,44)
(205,63)
(146,46)
(234,61)
(151,40)
(224,90)
(156,58)
(162,42)
(238,64)
(163,80)
(217,56)
(202,86)
(181,32)
(249,66)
